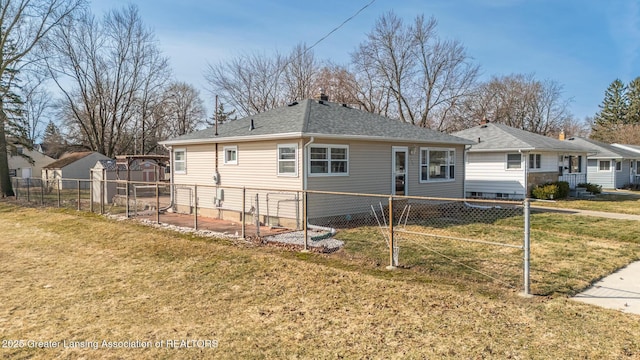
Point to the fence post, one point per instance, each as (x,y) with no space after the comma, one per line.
(157,202)
(91,191)
(257,215)
(391,238)
(78,181)
(41,192)
(244,212)
(28,191)
(102,184)
(16,190)
(126,191)
(304,220)
(58,191)
(195,206)
(526,246)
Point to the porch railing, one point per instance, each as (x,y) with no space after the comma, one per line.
(573,179)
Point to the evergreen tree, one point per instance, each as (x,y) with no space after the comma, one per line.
(53,143)
(223,116)
(613,112)
(633,94)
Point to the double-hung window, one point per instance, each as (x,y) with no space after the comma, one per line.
(288,159)
(329,160)
(604,165)
(180,161)
(437,164)
(534,161)
(231,155)
(514,161)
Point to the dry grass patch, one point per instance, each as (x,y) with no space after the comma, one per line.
(627,203)
(73,277)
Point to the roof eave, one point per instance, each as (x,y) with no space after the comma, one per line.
(265,137)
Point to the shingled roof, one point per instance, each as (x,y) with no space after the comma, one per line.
(316,118)
(69,159)
(499,137)
(604,150)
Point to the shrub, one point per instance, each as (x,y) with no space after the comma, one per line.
(544,192)
(563,189)
(555,190)
(592,188)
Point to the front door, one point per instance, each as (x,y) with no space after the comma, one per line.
(399,171)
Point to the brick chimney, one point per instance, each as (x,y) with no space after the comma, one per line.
(484,121)
(561,136)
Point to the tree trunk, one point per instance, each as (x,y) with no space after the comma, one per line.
(5,180)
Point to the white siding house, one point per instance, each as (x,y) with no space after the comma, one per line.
(25,163)
(314,145)
(72,166)
(507,162)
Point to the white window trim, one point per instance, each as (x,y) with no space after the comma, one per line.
(328,146)
(539,164)
(295,160)
(604,171)
(224,154)
(420,164)
(180,172)
(506,162)
(618,163)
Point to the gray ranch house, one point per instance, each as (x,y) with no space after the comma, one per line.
(611,167)
(506,162)
(634,149)
(314,145)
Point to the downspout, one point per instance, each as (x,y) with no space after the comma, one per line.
(526,172)
(305,155)
(465,160)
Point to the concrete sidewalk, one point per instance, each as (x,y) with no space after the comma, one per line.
(619,291)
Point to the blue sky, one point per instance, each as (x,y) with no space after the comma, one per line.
(581,44)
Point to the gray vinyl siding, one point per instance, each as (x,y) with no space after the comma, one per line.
(623,176)
(606,179)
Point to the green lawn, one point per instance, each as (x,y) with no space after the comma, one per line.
(70,276)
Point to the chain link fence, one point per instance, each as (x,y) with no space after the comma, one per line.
(475,239)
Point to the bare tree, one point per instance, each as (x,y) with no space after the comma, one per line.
(522,102)
(24,24)
(338,83)
(113,65)
(250,83)
(299,74)
(38,104)
(183,109)
(422,77)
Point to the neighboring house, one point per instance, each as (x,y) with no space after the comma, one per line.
(635,149)
(507,162)
(316,145)
(610,167)
(71,166)
(140,168)
(25,163)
